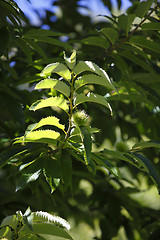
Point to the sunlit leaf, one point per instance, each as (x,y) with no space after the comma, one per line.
(53,121)
(54,83)
(71,61)
(41,136)
(93,79)
(27,178)
(40,216)
(58,68)
(50,102)
(85,66)
(91,97)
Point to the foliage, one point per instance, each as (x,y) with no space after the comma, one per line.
(33,225)
(95,164)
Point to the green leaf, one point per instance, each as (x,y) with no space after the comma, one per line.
(52,172)
(51,40)
(41,32)
(27,178)
(93,79)
(130,97)
(6,233)
(87,142)
(143,8)
(96,41)
(138,161)
(25,48)
(102,161)
(50,102)
(71,61)
(110,33)
(11,221)
(147,144)
(125,21)
(40,216)
(53,182)
(132,57)
(85,66)
(46,36)
(151,170)
(151,26)
(143,42)
(56,84)
(91,97)
(66,168)
(53,121)
(33,44)
(35,135)
(41,136)
(58,68)
(47,231)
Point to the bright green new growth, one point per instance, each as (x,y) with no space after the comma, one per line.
(69,96)
(63,143)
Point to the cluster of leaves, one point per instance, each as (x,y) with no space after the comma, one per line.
(72,141)
(76,141)
(33,225)
(133,39)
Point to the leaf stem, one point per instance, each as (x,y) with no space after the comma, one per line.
(70,114)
